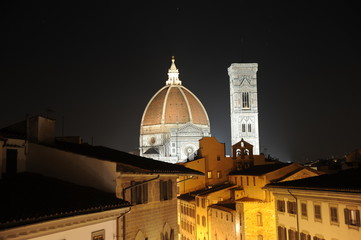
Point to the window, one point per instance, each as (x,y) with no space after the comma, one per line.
(219,174)
(304,209)
(282,233)
(245,100)
(352,217)
(198,219)
(247,181)
(203,221)
(292,235)
(243,127)
(317,209)
(209,174)
(197,202)
(254,181)
(259,219)
(334,214)
(292,207)
(218,158)
(165,188)
(249,128)
(203,202)
(281,205)
(304,236)
(139,193)
(98,235)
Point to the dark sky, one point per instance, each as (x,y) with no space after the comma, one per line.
(97,66)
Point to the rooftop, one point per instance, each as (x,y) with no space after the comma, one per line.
(32,198)
(126,162)
(343,181)
(205,191)
(260,169)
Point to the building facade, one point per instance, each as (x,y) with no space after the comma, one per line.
(323,207)
(173,122)
(244,104)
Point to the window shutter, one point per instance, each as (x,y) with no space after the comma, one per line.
(171,234)
(169,190)
(358,218)
(144,192)
(290,233)
(284,233)
(161,190)
(132,193)
(279,232)
(347,219)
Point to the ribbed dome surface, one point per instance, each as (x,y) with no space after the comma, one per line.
(174,104)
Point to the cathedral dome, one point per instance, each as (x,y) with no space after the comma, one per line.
(174,104)
(173,122)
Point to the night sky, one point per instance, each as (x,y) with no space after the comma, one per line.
(94,67)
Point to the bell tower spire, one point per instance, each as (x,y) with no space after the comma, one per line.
(173,74)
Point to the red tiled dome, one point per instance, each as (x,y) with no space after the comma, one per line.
(174,104)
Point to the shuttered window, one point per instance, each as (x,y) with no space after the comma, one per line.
(165,189)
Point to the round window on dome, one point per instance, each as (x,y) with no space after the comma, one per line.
(152,140)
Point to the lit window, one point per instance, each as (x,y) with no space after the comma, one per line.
(209,174)
(352,217)
(219,174)
(334,214)
(317,209)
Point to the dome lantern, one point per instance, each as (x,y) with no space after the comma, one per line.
(173,74)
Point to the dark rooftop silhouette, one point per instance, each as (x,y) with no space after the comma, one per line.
(29,198)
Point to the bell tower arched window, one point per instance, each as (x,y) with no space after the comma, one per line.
(245,100)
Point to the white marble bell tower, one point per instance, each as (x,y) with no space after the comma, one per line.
(244,109)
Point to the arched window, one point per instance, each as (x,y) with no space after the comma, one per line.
(245,100)
(259,219)
(140,236)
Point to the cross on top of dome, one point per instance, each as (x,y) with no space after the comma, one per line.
(173,74)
